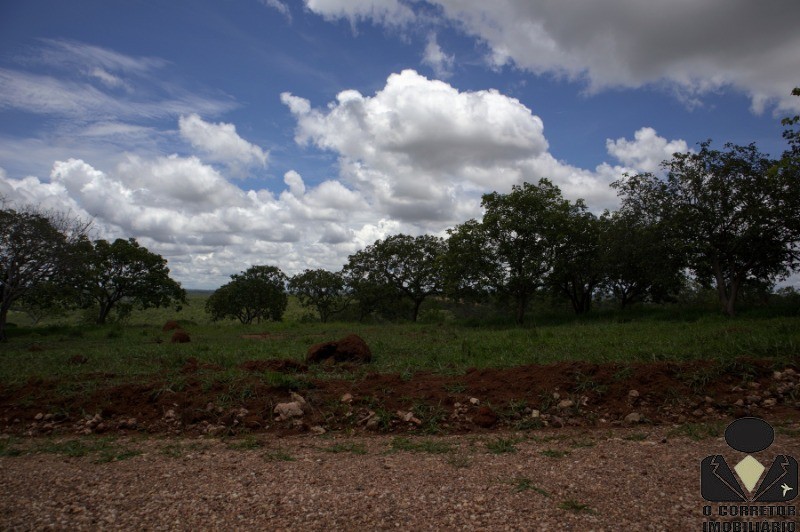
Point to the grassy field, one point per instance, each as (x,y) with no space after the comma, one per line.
(138,347)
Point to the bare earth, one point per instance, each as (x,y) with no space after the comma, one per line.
(569,479)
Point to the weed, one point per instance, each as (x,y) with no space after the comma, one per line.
(277,455)
(526,484)
(286,382)
(698,431)
(636,436)
(554,453)
(574,506)
(348,447)
(624,373)
(502,445)
(247,443)
(459,461)
(455,388)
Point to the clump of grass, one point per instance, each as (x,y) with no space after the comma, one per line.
(636,436)
(277,455)
(459,461)
(554,453)
(525,484)
(572,505)
(699,431)
(420,446)
(286,382)
(347,447)
(501,445)
(248,443)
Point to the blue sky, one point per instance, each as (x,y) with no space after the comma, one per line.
(228,133)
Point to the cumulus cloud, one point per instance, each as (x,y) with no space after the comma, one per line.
(423,152)
(279,6)
(646,151)
(220,142)
(691,47)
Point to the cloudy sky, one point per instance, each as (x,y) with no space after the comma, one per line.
(226,133)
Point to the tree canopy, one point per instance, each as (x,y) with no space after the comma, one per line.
(36,247)
(325,291)
(259,293)
(124,274)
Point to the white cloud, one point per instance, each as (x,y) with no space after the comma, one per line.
(691,47)
(646,152)
(280,6)
(221,142)
(434,57)
(388,12)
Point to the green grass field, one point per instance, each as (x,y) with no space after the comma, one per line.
(138,347)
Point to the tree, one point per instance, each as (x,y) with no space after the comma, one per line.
(124,274)
(512,250)
(255,294)
(640,258)
(576,270)
(736,211)
(321,289)
(36,247)
(407,265)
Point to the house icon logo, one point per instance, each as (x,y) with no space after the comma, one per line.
(747,482)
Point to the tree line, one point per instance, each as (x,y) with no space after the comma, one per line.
(727,219)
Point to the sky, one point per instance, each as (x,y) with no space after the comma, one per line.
(227,133)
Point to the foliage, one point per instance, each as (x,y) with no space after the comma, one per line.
(576,269)
(255,294)
(36,247)
(512,250)
(398,265)
(321,289)
(736,212)
(640,258)
(125,274)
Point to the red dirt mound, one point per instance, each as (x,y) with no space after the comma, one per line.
(180,337)
(171,325)
(351,348)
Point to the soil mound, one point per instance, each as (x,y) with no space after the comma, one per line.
(180,337)
(171,325)
(280,365)
(351,348)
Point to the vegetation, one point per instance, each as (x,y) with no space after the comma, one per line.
(321,289)
(256,294)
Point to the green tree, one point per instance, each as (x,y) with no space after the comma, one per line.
(36,247)
(736,211)
(576,270)
(399,264)
(321,289)
(124,274)
(255,294)
(511,251)
(640,258)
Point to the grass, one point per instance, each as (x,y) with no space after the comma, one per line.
(102,450)
(699,431)
(501,445)
(277,455)
(572,505)
(138,349)
(525,484)
(554,453)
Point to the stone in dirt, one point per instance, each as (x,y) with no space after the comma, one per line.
(633,417)
(351,348)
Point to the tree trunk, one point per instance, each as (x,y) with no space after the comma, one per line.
(520,314)
(3,318)
(105,308)
(722,292)
(417,304)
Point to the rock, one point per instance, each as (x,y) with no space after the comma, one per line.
(346,398)
(351,348)
(633,417)
(739,403)
(474,401)
(708,400)
(180,337)
(39,417)
(535,414)
(288,410)
(556,421)
(484,417)
(633,394)
(565,403)
(316,429)
(769,402)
